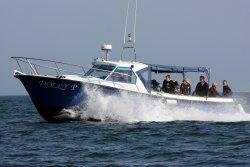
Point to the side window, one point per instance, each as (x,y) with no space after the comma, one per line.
(123,74)
(143,75)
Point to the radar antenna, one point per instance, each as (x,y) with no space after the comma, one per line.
(128,40)
(106,48)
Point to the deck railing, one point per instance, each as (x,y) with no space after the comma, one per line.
(35,63)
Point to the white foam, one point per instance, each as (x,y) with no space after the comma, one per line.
(137,108)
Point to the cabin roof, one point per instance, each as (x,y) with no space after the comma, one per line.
(137,65)
(176,69)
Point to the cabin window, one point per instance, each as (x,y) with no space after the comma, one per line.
(123,74)
(143,75)
(100,71)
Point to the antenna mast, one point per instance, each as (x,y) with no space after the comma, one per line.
(128,41)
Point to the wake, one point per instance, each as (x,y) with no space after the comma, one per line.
(130,108)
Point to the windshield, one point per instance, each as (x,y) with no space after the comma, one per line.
(100,71)
(123,74)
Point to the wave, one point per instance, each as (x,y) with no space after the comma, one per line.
(131,108)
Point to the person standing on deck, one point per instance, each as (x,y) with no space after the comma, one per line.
(168,85)
(185,87)
(201,88)
(213,91)
(227,92)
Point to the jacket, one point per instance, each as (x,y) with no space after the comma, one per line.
(168,86)
(227,91)
(185,89)
(201,90)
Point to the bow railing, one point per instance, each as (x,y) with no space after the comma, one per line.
(35,66)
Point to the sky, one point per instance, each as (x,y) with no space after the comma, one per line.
(213,33)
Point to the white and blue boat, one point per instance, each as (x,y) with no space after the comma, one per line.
(52,94)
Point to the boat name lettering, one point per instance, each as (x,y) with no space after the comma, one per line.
(61,86)
(73,87)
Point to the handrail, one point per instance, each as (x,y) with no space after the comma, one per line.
(60,69)
(55,66)
(46,60)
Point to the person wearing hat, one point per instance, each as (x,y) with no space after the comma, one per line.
(201,88)
(168,85)
(185,88)
(213,91)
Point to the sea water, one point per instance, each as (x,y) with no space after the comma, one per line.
(133,131)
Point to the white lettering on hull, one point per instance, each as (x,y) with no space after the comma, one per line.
(60,86)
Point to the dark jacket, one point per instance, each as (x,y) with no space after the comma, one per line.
(176,89)
(155,85)
(213,93)
(185,89)
(201,90)
(168,86)
(227,91)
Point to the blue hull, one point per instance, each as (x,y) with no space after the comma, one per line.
(52,95)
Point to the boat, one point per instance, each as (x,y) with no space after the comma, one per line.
(54,95)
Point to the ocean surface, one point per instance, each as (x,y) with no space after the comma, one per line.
(145,137)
